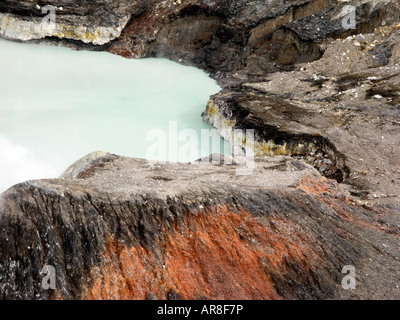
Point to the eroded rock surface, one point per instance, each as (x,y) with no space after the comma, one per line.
(324,103)
(133,229)
(94,22)
(339,113)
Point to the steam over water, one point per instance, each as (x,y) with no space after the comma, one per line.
(57,105)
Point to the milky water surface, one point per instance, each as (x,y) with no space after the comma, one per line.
(57,105)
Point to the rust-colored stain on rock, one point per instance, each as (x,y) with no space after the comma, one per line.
(216,254)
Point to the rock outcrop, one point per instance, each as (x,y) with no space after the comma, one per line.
(94,22)
(133,229)
(339,113)
(323,98)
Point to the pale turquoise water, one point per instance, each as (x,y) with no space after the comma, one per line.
(57,105)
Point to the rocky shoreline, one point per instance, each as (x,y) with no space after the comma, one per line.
(324,103)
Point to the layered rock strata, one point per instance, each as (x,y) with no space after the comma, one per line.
(132,229)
